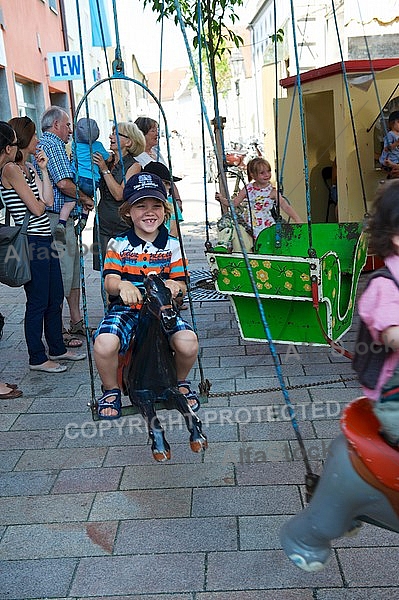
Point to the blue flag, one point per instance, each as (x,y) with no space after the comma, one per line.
(99,24)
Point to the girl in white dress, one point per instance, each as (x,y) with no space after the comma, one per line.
(261,196)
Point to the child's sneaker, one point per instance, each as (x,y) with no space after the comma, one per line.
(80,225)
(60,233)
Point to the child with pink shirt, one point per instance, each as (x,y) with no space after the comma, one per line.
(379,303)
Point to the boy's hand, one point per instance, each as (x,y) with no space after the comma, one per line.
(129,293)
(174,287)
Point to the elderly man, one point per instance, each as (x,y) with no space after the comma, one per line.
(57,129)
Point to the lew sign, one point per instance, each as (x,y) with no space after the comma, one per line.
(64,65)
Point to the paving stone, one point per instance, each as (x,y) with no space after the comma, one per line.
(358,594)
(272,472)
(183,535)
(262,570)
(16,405)
(8,459)
(358,566)
(19,440)
(368,535)
(151,574)
(258,595)
(257,500)
(141,504)
(143,597)
(45,509)
(260,532)
(52,421)
(87,480)
(62,458)
(58,540)
(276,430)
(7,420)
(170,475)
(24,579)
(21,484)
(241,453)
(127,431)
(142,455)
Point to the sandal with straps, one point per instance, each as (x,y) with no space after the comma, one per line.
(191,396)
(115,404)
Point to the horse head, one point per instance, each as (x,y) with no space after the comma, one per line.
(158,301)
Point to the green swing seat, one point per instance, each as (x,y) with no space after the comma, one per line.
(283,277)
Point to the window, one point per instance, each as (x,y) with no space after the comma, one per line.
(27,100)
(53,5)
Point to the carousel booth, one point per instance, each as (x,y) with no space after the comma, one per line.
(331,126)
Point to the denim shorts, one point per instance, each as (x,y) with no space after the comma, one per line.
(122,322)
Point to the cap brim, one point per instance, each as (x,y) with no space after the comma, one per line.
(153,194)
(176,178)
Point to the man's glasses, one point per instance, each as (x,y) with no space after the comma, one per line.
(13,144)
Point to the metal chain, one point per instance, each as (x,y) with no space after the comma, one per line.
(277,389)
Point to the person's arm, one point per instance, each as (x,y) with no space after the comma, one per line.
(44,184)
(238,199)
(67,187)
(390,337)
(289,210)
(114,187)
(129,293)
(13,176)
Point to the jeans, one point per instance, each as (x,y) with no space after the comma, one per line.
(44,297)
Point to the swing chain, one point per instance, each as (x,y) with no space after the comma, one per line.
(277,389)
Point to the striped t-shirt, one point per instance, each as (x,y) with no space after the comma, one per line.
(38,225)
(132,258)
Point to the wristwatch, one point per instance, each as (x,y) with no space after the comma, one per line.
(106,172)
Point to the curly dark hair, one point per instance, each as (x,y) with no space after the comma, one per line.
(384,219)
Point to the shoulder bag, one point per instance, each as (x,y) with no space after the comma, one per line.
(14,254)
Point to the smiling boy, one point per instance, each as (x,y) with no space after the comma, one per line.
(146,247)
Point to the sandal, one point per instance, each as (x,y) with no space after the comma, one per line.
(13,393)
(79,328)
(115,404)
(71,341)
(191,396)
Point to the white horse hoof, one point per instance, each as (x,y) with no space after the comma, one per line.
(310,567)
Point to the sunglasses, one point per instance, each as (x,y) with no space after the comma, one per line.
(13,144)
(120,134)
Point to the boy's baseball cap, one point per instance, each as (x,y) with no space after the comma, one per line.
(158,168)
(144,185)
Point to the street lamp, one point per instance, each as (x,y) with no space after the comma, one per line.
(236,62)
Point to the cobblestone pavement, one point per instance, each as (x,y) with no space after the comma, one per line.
(85,512)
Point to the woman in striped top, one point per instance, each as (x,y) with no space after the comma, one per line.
(8,149)
(22,190)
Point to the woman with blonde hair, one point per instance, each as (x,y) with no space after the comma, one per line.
(126,141)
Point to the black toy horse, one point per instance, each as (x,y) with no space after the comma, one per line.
(151,374)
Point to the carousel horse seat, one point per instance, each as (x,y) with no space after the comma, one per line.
(372,457)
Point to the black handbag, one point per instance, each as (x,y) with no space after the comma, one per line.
(14,254)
